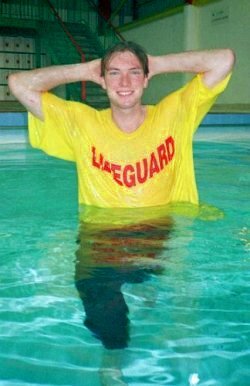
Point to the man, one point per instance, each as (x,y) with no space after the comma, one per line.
(130,155)
(132,160)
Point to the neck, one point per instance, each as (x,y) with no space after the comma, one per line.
(129,120)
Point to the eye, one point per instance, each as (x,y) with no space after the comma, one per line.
(136,71)
(113,72)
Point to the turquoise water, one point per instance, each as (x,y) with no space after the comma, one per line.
(188,306)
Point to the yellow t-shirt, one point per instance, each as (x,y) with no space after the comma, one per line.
(149,167)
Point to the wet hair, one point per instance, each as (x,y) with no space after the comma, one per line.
(125,46)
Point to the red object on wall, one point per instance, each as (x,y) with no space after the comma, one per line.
(189,1)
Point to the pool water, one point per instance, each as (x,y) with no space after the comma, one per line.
(178,291)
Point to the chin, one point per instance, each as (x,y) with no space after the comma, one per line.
(126,104)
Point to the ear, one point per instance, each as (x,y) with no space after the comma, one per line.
(145,82)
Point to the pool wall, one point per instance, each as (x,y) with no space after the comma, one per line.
(13,126)
(14,120)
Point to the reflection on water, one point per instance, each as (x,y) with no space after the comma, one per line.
(109,257)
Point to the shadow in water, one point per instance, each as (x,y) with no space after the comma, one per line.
(109,257)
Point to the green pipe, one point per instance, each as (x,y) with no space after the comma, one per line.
(118,8)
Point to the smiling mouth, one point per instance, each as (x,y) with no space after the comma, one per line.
(124,93)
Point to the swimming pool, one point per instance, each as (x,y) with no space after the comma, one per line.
(184,313)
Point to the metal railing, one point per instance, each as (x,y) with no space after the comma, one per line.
(73,41)
(52,19)
(84,11)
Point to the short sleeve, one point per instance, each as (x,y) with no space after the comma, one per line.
(207,97)
(53,135)
(186,107)
(198,98)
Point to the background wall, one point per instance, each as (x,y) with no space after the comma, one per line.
(161,36)
(230,26)
(221,23)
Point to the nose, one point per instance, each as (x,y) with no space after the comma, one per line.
(124,80)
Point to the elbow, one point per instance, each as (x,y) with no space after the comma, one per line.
(13,83)
(229,59)
(16,84)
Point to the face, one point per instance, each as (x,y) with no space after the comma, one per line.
(124,80)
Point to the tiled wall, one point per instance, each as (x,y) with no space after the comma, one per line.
(16,53)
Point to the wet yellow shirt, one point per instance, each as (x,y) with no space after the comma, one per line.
(151,166)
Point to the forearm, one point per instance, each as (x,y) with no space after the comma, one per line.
(27,86)
(44,79)
(213,64)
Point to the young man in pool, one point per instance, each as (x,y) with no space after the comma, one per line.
(130,155)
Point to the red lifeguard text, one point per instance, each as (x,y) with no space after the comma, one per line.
(130,175)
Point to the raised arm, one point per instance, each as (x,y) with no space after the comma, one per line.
(27,86)
(214,65)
